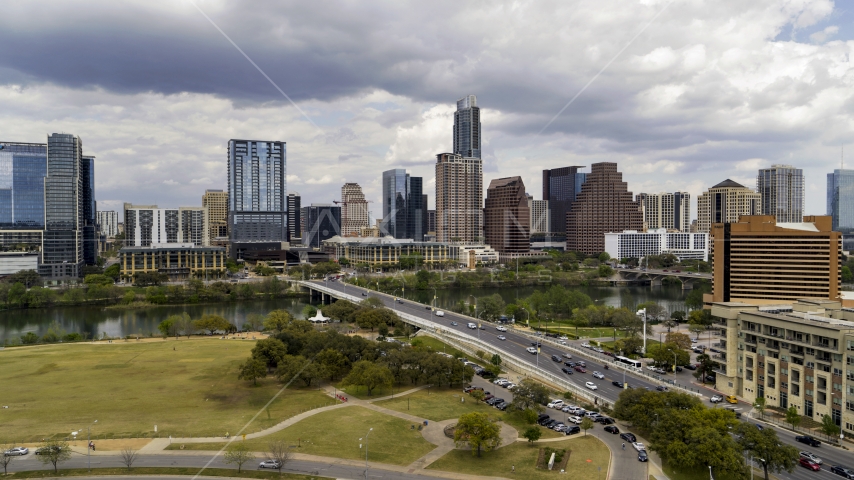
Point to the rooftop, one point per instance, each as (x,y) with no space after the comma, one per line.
(729,184)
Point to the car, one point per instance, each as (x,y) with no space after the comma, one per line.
(716,399)
(501,337)
(813,442)
(502,406)
(566,370)
(591,415)
(572,430)
(759,426)
(842,471)
(440,313)
(638,446)
(591,385)
(643,456)
(559,427)
(482,327)
(510,386)
(551,423)
(617,384)
(531,350)
(536,344)
(555,404)
(569,364)
(501,328)
(566,355)
(604,420)
(429,307)
(454,324)
(580,369)
(629,437)
(16,451)
(811,457)
(581,363)
(398,300)
(585,345)
(472,325)
(543,419)
(555,358)
(575,419)
(691,367)
(807,463)
(734,411)
(612,429)
(661,388)
(731,399)
(274,464)
(598,375)
(499,381)
(47,450)
(471,388)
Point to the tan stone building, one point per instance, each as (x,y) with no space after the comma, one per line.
(725,203)
(179,261)
(506,216)
(459,198)
(354,210)
(216,203)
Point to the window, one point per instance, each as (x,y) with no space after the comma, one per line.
(771,369)
(837,387)
(749,376)
(784,371)
(796,389)
(750,361)
(810,379)
(808,392)
(810,364)
(796,375)
(810,351)
(837,371)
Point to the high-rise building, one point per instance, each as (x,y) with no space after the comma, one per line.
(666,210)
(604,205)
(561,186)
(193,227)
(506,216)
(431,222)
(781,189)
(87,205)
(840,199)
(216,203)
(257,191)
(295,224)
(62,245)
(147,225)
(322,222)
(759,260)
(108,222)
(23,168)
(403,208)
(467,133)
(459,198)
(354,210)
(725,203)
(540,215)
(425,220)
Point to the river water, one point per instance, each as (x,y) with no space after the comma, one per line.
(117,322)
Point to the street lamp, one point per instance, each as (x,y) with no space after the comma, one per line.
(366,452)
(89,444)
(643,312)
(433,310)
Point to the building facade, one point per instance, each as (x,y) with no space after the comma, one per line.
(388,252)
(179,261)
(467,133)
(561,186)
(840,199)
(146,225)
(193,226)
(108,222)
(403,205)
(758,260)
(216,204)
(781,189)
(257,191)
(459,198)
(540,215)
(322,222)
(354,210)
(604,205)
(725,203)
(634,244)
(91,235)
(666,210)
(23,168)
(62,244)
(295,223)
(506,216)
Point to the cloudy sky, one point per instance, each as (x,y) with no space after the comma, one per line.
(681,94)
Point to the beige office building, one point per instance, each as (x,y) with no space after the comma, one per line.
(354,210)
(540,215)
(724,203)
(666,210)
(459,198)
(216,203)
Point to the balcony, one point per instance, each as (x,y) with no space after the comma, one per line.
(719,358)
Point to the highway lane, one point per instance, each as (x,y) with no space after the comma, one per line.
(516,344)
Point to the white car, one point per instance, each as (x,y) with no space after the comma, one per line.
(638,446)
(598,375)
(566,355)
(499,381)
(555,404)
(562,342)
(585,345)
(716,399)
(270,464)
(591,385)
(472,325)
(16,451)
(531,350)
(501,328)
(811,456)
(440,313)
(502,337)
(576,420)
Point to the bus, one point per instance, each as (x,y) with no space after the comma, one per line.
(629,362)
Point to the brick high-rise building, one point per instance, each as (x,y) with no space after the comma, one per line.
(604,205)
(506,216)
(354,210)
(216,203)
(459,198)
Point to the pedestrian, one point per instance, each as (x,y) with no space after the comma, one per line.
(624,445)
(513,469)
(93,446)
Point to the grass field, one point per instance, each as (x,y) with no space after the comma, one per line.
(336,433)
(249,471)
(523,456)
(186,387)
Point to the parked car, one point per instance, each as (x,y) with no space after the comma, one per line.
(612,429)
(572,430)
(642,456)
(502,337)
(716,399)
(638,446)
(691,366)
(555,404)
(807,463)
(604,420)
(502,406)
(575,419)
(842,471)
(591,385)
(811,457)
(274,464)
(598,375)
(543,421)
(16,451)
(629,437)
(813,442)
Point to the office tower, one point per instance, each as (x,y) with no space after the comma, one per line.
(431,222)
(467,135)
(192,226)
(759,260)
(354,210)
(666,210)
(146,225)
(604,205)
(540,215)
(403,210)
(459,198)
(724,203)
(425,215)
(257,191)
(781,189)
(23,167)
(108,222)
(87,205)
(62,249)
(506,216)
(295,223)
(216,203)
(840,199)
(322,222)
(561,186)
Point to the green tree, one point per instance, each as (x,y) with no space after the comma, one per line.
(113,271)
(212,323)
(705,364)
(477,431)
(277,320)
(333,361)
(847,277)
(681,340)
(532,434)
(97,279)
(694,299)
(369,375)
(678,315)
(668,354)
(604,257)
(252,369)
(297,366)
(166,327)
(5,460)
(828,426)
(29,338)
(54,452)
(309,311)
(764,445)
(480,354)
(654,311)
(793,418)
(238,454)
(491,307)
(530,394)
(478,395)
(495,360)
(254,322)
(759,404)
(605,271)
(271,351)
(586,424)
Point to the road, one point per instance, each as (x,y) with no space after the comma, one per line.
(516,345)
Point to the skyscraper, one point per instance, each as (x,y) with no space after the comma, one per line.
(108,222)
(840,200)
(459,198)
(294,218)
(467,136)
(147,224)
(257,191)
(604,205)
(724,203)
(216,203)
(87,204)
(322,222)
(506,216)
(403,205)
(666,210)
(193,227)
(540,215)
(781,188)
(561,186)
(62,245)
(23,167)
(354,210)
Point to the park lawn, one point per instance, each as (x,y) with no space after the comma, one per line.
(523,456)
(248,472)
(336,433)
(186,387)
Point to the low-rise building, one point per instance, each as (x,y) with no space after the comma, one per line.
(635,244)
(388,251)
(180,261)
(470,256)
(14,262)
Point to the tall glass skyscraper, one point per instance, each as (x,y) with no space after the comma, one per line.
(62,248)
(23,167)
(89,210)
(840,199)
(467,136)
(257,191)
(561,186)
(403,205)
(782,190)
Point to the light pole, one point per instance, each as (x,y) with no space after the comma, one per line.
(710,473)
(643,312)
(674,362)
(366,452)
(433,310)
(89,444)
